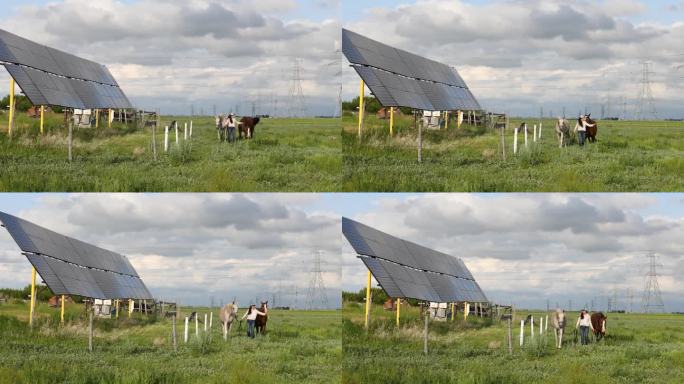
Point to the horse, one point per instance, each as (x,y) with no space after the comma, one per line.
(247,126)
(228,314)
(598,321)
(562,132)
(261,320)
(592,128)
(558,324)
(522,128)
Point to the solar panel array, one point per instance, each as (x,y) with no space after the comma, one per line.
(406,269)
(402,79)
(52,77)
(72,267)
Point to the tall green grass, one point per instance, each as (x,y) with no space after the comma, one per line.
(628,156)
(637,349)
(300,347)
(286,155)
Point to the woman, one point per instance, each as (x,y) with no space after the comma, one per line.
(231,123)
(251,316)
(584,325)
(581,129)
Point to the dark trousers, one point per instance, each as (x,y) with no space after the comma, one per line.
(250,325)
(581,135)
(584,334)
(231,134)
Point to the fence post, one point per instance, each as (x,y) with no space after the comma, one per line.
(175,345)
(532,327)
(510,335)
(90,329)
(425,336)
(185,332)
(525,135)
(522,332)
(166,138)
(190,128)
(205,323)
(540,129)
(541,325)
(196,324)
(211,316)
(534,139)
(515,140)
(546,324)
(185,131)
(176,128)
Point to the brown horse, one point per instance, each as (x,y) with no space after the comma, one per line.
(598,321)
(247,126)
(261,320)
(592,129)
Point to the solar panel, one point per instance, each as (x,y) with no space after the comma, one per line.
(70,266)
(406,269)
(48,76)
(402,79)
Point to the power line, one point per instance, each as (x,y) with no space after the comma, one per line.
(296,106)
(316,292)
(645,102)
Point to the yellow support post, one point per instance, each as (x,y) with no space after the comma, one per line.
(453,311)
(97,118)
(368,304)
(11,107)
(42,119)
(459,119)
(33,296)
(446,120)
(391,121)
(362,95)
(465,310)
(130,307)
(61,316)
(109,118)
(117,308)
(398,310)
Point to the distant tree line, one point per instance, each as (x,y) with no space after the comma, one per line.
(23,104)
(43,293)
(378,296)
(372,105)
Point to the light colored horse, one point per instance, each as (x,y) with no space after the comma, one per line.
(562,132)
(558,323)
(228,315)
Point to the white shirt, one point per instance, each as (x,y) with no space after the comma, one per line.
(253,315)
(584,322)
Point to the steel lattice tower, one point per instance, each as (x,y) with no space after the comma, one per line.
(645,103)
(652,301)
(316,292)
(296,106)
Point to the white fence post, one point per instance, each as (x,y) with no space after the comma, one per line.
(185,132)
(196,324)
(532,327)
(190,128)
(546,325)
(515,141)
(534,139)
(541,325)
(176,126)
(522,331)
(525,135)
(205,323)
(211,315)
(166,138)
(185,333)
(540,129)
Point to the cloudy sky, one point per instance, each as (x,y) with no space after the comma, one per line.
(526,249)
(520,55)
(193,247)
(174,54)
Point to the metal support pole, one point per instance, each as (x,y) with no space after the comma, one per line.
(42,119)
(130,307)
(368,304)
(391,121)
(109,118)
(453,311)
(510,335)
(425,334)
(32,310)
(61,317)
(465,310)
(398,310)
(362,95)
(10,125)
(175,344)
(90,329)
(97,118)
(446,119)
(420,142)
(71,136)
(117,308)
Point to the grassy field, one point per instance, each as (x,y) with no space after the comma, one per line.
(286,155)
(300,347)
(637,349)
(628,156)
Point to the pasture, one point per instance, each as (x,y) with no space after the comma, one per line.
(637,349)
(299,347)
(628,156)
(286,155)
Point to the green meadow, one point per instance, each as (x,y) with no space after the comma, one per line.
(628,156)
(286,155)
(299,347)
(637,348)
